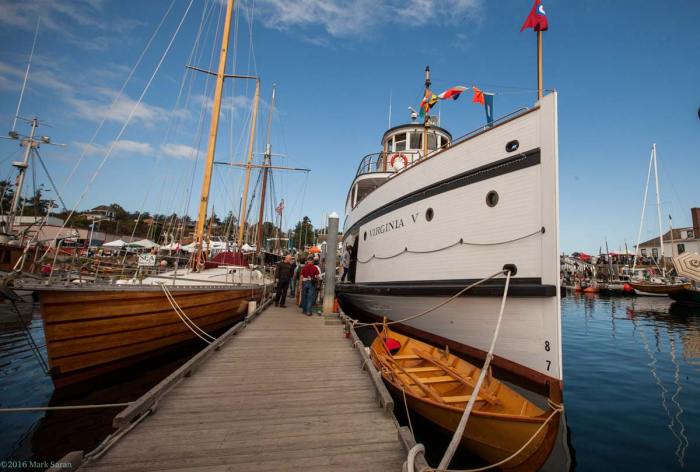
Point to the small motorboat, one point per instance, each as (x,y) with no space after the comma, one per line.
(438,385)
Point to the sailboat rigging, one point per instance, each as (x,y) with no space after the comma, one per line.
(93,328)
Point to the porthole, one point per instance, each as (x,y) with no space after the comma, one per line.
(429,213)
(364,236)
(492,198)
(512,145)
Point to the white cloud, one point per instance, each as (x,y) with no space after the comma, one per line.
(95,110)
(63,16)
(358,18)
(126,146)
(179,151)
(122,148)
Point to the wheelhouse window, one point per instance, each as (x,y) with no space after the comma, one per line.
(644,253)
(389,144)
(432,141)
(416,140)
(400,142)
(655,252)
(681,248)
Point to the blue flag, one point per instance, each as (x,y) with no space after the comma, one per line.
(488,106)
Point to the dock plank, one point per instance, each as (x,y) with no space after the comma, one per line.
(286,394)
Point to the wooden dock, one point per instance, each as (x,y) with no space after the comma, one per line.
(286,393)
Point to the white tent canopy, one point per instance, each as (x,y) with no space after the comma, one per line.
(143,243)
(117,243)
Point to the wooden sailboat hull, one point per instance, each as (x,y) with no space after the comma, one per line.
(91,331)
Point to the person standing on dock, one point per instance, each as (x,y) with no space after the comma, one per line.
(309,275)
(284,275)
(345,261)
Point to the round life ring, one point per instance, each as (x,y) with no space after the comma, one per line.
(403,158)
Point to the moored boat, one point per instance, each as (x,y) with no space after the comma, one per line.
(438,385)
(93,328)
(452,213)
(658,289)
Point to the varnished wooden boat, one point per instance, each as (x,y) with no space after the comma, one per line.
(438,386)
(93,330)
(657,288)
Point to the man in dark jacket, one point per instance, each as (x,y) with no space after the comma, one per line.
(283,275)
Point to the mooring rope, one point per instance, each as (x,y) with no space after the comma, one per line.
(30,339)
(193,327)
(556,408)
(457,436)
(458,243)
(358,324)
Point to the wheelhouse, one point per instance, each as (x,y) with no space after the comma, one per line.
(402,146)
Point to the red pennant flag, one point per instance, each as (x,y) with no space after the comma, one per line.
(537,19)
(478,96)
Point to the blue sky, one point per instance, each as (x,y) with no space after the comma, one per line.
(627,75)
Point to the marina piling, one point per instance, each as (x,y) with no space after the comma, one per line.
(331,258)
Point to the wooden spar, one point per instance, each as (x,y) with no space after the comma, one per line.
(426,118)
(254,118)
(257,166)
(539,65)
(211,148)
(267,161)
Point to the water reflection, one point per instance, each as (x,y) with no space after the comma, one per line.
(23,382)
(667,336)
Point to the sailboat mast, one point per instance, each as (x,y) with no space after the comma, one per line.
(658,212)
(29,144)
(644,205)
(249,164)
(267,161)
(211,148)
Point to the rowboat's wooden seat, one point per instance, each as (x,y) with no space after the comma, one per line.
(423,369)
(438,379)
(460,399)
(405,357)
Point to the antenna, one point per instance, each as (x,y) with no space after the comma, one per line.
(390,94)
(26,76)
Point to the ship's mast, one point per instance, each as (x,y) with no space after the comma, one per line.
(426,118)
(267,162)
(213,130)
(249,165)
(28,144)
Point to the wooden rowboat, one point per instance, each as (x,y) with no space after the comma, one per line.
(658,289)
(438,385)
(93,330)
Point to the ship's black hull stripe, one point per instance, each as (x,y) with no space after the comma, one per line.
(479,174)
(520,287)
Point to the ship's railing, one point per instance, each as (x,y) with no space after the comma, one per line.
(488,126)
(381,162)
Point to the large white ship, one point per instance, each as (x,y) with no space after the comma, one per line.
(429,215)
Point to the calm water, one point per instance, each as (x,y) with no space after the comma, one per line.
(632,389)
